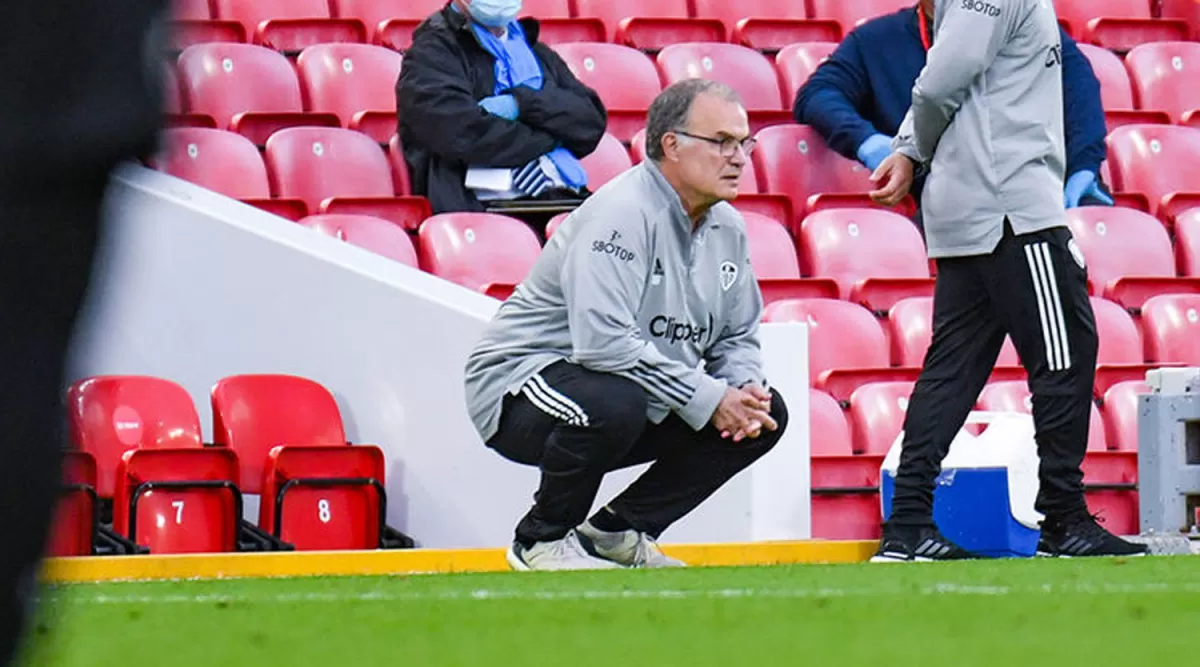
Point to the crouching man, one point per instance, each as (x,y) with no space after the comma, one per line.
(594,363)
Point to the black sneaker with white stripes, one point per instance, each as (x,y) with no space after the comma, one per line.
(1078,534)
(906,544)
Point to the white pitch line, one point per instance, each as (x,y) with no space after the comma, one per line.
(484,595)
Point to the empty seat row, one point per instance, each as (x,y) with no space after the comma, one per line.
(137,443)
(851,438)
(1121,24)
(255,91)
(873,257)
(794,170)
(648,24)
(849,346)
(1152,84)
(307,171)
(290,25)
(302,171)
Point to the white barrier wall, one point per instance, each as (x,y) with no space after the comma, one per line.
(193,287)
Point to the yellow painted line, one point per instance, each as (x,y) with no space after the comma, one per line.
(409,561)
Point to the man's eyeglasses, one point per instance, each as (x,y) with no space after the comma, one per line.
(728,145)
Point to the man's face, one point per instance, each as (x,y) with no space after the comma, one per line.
(711,154)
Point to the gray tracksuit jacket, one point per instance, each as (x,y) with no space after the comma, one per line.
(987,120)
(625,286)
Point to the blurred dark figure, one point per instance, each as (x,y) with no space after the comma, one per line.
(79,93)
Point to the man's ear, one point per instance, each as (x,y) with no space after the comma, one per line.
(670,146)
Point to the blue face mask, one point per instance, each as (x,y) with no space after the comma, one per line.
(495,13)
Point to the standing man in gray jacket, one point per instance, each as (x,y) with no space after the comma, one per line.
(987,123)
(594,363)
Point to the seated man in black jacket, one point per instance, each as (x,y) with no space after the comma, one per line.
(487,112)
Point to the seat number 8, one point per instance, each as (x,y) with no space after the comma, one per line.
(323,512)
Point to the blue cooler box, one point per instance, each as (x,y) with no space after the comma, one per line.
(984,499)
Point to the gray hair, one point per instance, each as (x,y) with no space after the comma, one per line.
(670,110)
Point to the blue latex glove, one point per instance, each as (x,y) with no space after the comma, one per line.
(504,106)
(875,150)
(1083,184)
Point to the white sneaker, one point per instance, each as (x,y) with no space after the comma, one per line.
(564,554)
(628,547)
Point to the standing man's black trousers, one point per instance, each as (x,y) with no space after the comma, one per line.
(577,425)
(80,90)
(1032,287)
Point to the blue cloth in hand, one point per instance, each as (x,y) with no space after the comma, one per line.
(504,106)
(569,168)
(1083,184)
(875,150)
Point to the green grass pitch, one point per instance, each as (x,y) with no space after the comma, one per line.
(1142,611)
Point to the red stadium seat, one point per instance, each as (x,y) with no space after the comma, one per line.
(1187,243)
(559,26)
(1171,328)
(374,234)
(110,415)
(797,62)
(877,415)
(745,70)
(289,25)
(845,486)
(553,223)
(254,413)
(1116,92)
(650,24)
(73,531)
(318,490)
(1121,353)
(1159,161)
(793,160)
(768,25)
(852,13)
(609,160)
(876,257)
(169,492)
(910,323)
(1119,25)
(625,79)
(637,151)
(223,162)
(326,498)
(248,89)
(1164,77)
(846,345)
(775,265)
(173,106)
(388,23)
(1129,255)
(337,170)
(1014,396)
(179,500)
(1185,10)
(355,82)
(910,329)
(192,23)
(827,424)
(400,176)
(172,101)
(481,251)
(1120,410)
